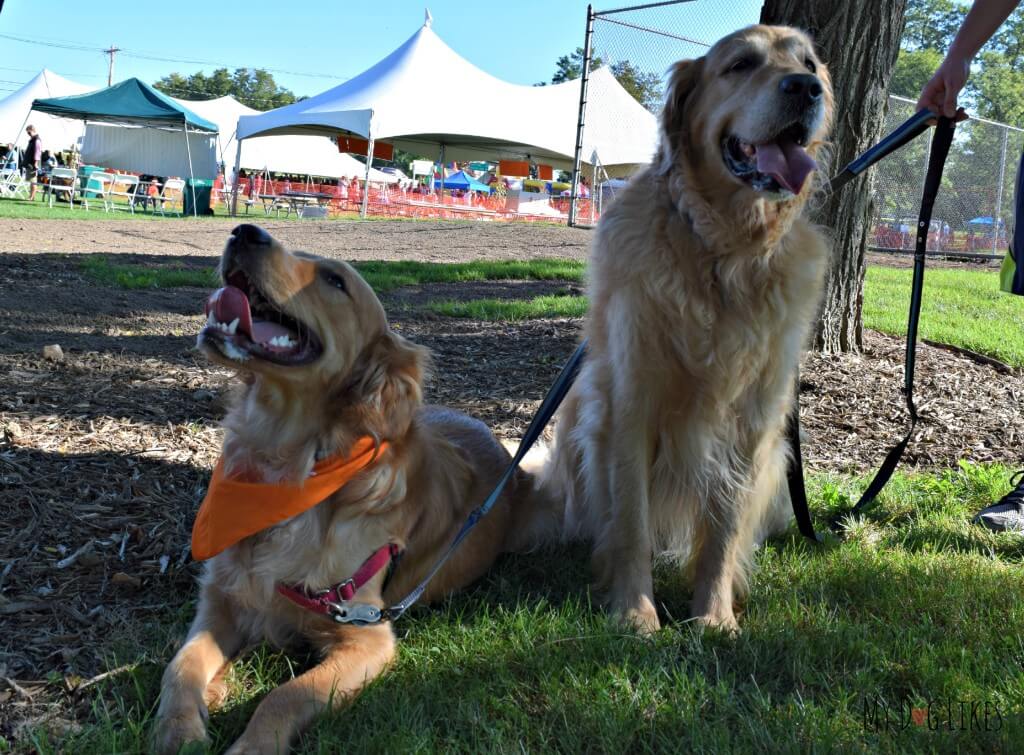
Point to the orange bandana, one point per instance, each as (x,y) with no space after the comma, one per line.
(233,510)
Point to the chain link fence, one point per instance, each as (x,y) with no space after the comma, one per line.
(973,213)
(638,45)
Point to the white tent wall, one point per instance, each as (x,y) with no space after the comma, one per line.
(15,113)
(303,155)
(157,151)
(405,100)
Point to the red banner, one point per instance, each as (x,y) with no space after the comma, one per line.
(514,168)
(358,146)
(545,173)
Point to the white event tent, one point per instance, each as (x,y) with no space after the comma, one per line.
(305,155)
(16,112)
(405,98)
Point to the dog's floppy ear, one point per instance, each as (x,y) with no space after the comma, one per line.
(390,385)
(682,84)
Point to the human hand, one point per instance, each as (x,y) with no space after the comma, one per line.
(940,93)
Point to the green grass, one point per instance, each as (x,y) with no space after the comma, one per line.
(915,605)
(40,210)
(510,310)
(960,307)
(385,276)
(133,276)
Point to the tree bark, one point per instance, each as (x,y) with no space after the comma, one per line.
(859,41)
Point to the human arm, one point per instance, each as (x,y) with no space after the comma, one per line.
(984,18)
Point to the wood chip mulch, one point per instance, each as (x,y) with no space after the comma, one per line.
(105,455)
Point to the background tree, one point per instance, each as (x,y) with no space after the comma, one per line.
(644,86)
(859,39)
(932,24)
(254,87)
(569,67)
(913,69)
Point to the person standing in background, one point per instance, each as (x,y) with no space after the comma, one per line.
(33,159)
(940,96)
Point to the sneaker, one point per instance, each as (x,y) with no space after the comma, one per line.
(1006,514)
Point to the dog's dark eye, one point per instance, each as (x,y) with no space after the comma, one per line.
(333,279)
(741,64)
(810,65)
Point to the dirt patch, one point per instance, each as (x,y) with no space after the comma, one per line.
(906,259)
(424,241)
(104,456)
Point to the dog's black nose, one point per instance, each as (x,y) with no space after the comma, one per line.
(803,85)
(251,234)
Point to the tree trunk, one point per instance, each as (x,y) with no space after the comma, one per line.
(859,41)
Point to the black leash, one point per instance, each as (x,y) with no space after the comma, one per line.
(361,614)
(936,161)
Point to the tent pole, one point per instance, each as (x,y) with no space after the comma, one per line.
(24,123)
(366,182)
(191,175)
(580,123)
(234,185)
(441,197)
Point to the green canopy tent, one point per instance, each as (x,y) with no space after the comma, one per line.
(131,103)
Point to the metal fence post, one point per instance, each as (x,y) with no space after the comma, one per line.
(997,216)
(584,78)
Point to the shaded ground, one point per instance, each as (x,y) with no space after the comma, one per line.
(104,455)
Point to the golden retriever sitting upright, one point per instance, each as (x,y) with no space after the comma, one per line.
(327,386)
(704,279)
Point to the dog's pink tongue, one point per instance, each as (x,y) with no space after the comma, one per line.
(787,162)
(228,303)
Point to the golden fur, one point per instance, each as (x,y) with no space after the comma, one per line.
(440,464)
(701,291)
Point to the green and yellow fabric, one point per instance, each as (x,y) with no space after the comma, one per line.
(1012,274)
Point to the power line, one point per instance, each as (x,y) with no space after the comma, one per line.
(174,91)
(76,46)
(36,70)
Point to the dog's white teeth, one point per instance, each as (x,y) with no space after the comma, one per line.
(233,326)
(283,342)
(233,353)
(211,320)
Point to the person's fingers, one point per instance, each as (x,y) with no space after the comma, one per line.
(949,102)
(931,95)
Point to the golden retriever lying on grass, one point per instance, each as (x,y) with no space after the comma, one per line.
(322,375)
(704,279)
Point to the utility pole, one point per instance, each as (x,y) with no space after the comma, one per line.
(110,68)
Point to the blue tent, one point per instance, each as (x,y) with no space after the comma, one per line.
(984,220)
(461,181)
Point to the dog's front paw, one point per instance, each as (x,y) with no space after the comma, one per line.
(179,727)
(639,615)
(256,746)
(725,622)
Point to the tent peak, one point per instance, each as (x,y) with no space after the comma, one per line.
(427,18)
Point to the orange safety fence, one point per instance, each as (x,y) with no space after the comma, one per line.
(413,203)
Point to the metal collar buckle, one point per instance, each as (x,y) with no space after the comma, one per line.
(357,614)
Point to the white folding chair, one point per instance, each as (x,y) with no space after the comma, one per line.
(99,184)
(125,186)
(63,174)
(173,191)
(13,185)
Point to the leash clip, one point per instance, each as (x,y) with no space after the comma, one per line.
(357,614)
